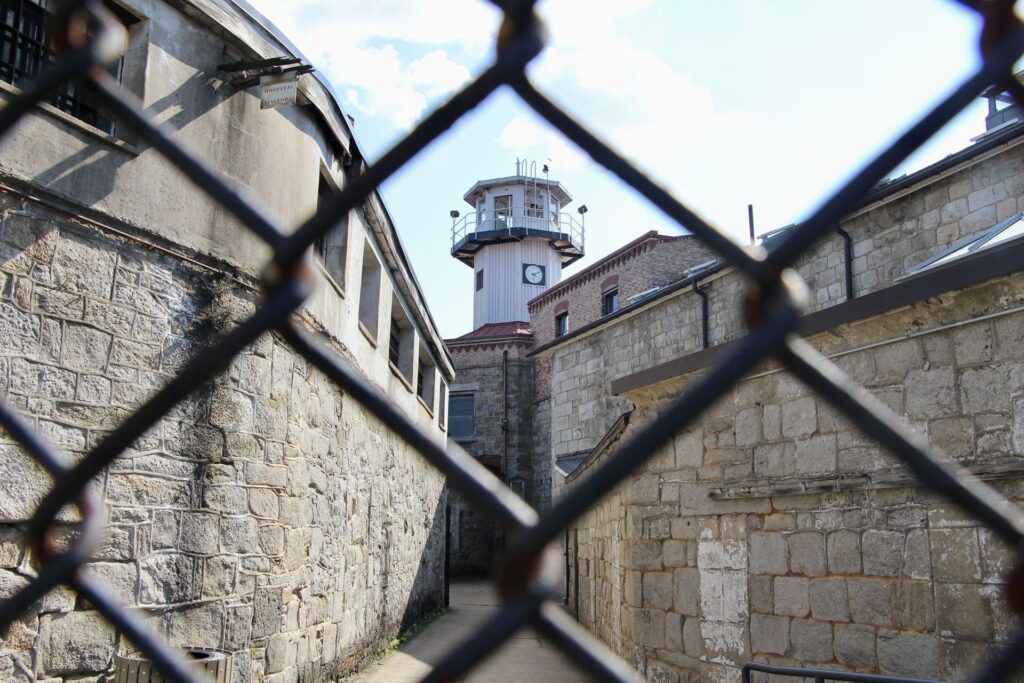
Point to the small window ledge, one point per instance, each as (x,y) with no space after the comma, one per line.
(398,373)
(70,120)
(426,406)
(370,337)
(335,285)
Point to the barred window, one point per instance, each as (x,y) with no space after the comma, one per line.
(26,49)
(562,324)
(610,301)
(460,416)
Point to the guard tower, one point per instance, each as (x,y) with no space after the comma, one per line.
(517,239)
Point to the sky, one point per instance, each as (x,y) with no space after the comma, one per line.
(725,103)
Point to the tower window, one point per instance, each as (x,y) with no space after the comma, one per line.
(610,301)
(503,208)
(562,324)
(479,279)
(460,416)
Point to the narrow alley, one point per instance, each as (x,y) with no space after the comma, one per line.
(525,659)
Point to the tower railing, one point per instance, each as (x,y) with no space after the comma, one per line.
(516,222)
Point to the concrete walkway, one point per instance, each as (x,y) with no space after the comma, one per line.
(524,659)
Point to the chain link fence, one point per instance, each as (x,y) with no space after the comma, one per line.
(527,575)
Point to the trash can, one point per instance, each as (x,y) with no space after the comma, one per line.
(137,669)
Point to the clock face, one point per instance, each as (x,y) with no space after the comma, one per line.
(533,274)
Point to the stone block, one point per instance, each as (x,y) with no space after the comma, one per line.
(956,554)
(75,642)
(908,654)
(870,601)
(197,623)
(799,417)
(748,426)
(791,596)
(843,549)
(759,590)
(812,640)
(807,553)
(199,533)
(816,455)
(693,639)
(883,552)
(676,553)
(85,348)
(219,576)
(962,610)
(687,591)
(673,632)
(729,554)
(768,554)
(769,635)
(931,393)
(829,601)
(18,503)
(649,627)
(657,590)
(855,645)
(917,557)
(644,555)
(166,579)
(267,612)
(771,421)
(264,503)
(120,577)
(914,609)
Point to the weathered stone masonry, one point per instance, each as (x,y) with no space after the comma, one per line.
(267,515)
(773,530)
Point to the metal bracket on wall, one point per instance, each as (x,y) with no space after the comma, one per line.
(251,71)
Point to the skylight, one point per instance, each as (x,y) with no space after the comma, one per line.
(1009,230)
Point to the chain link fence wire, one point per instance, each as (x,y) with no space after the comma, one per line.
(526,579)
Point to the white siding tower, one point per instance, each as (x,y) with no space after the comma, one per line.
(517,239)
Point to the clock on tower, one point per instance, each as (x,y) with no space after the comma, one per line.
(534,274)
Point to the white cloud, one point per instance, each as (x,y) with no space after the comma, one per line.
(390,57)
(527,136)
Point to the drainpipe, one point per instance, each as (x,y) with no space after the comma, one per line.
(504,415)
(848,259)
(750,221)
(703,313)
(565,600)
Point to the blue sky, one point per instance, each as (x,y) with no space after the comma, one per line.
(726,103)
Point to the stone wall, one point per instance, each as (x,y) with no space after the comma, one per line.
(268,515)
(889,237)
(775,531)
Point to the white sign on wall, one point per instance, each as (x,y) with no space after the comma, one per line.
(278,90)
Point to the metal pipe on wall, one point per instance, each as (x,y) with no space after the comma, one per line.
(704,313)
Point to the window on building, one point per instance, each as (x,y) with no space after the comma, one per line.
(442,406)
(395,343)
(426,373)
(562,324)
(401,342)
(610,301)
(503,209)
(479,279)
(460,416)
(27,48)
(331,247)
(369,293)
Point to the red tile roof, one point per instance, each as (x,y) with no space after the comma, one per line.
(497,330)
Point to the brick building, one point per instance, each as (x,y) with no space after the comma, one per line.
(773,530)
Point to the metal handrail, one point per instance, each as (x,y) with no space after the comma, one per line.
(516,219)
(822,675)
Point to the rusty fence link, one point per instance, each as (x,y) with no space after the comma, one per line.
(526,578)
